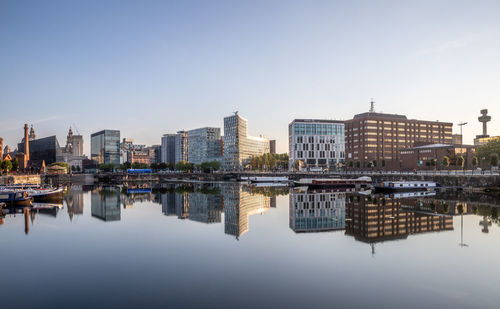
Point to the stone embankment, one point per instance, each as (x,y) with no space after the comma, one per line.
(19,179)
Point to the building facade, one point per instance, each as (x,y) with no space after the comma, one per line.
(431,156)
(181,146)
(315,143)
(105,147)
(239,147)
(374,139)
(168,148)
(204,144)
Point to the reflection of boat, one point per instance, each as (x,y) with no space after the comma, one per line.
(270,184)
(15,197)
(41,194)
(266,179)
(363,181)
(406,185)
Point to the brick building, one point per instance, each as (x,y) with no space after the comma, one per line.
(431,156)
(376,138)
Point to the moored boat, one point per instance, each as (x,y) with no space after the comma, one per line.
(40,194)
(363,181)
(406,186)
(266,179)
(15,197)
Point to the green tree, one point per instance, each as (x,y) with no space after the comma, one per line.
(446,161)
(460,161)
(484,152)
(494,159)
(15,164)
(78,169)
(109,167)
(383,162)
(475,161)
(6,166)
(433,162)
(184,166)
(358,164)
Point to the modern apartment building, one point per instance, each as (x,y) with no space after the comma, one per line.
(168,148)
(204,144)
(105,147)
(239,147)
(375,138)
(181,146)
(316,143)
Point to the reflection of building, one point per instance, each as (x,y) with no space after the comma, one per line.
(105,147)
(239,205)
(316,143)
(239,147)
(105,204)
(74,201)
(378,137)
(316,211)
(204,145)
(376,219)
(206,208)
(175,204)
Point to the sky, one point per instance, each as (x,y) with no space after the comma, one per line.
(149,68)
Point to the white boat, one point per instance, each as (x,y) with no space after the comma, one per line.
(406,185)
(363,181)
(267,179)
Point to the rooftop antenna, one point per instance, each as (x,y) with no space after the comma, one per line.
(461,124)
(372,106)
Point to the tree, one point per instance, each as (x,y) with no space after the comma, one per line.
(351,163)
(446,161)
(494,159)
(6,166)
(460,161)
(73,168)
(484,152)
(78,169)
(475,161)
(210,166)
(15,164)
(107,167)
(374,163)
(433,162)
(184,166)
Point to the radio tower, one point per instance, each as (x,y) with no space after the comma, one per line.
(372,106)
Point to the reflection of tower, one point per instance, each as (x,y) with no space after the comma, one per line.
(485,223)
(239,205)
(74,202)
(462,244)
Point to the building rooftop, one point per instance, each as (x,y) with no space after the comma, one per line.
(318,120)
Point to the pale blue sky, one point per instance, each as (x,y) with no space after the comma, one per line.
(154,67)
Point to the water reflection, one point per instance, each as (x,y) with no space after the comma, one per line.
(105,203)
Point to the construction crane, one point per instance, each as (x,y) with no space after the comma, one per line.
(76,129)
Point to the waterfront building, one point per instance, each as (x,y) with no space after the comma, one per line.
(204,144)
(168,148)
(154,153)
(375,138)
(316,143)
(39,151)
(431,156)
(239,147)
(105,147)
(181,146)
(272,146)
(316,211)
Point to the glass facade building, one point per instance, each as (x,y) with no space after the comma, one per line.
(239,148)
(316,143)
(168,148)
(105,147)
(204,145)
(181,146)
(43,149)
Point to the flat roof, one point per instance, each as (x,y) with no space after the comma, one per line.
(318,121)
(395,117)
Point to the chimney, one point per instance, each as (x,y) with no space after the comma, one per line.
(26,144)
(1,148)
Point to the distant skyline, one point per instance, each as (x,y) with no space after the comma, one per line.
(157,67)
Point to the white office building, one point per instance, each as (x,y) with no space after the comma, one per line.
(315,143)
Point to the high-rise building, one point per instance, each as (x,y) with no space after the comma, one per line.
(375,138)
(78,145)
(316,143)
(239,147)
(154,153)
(204,144)
(168,148)
(181,146)
(272,146)
(105,147)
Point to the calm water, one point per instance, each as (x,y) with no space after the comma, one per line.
(242,247)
